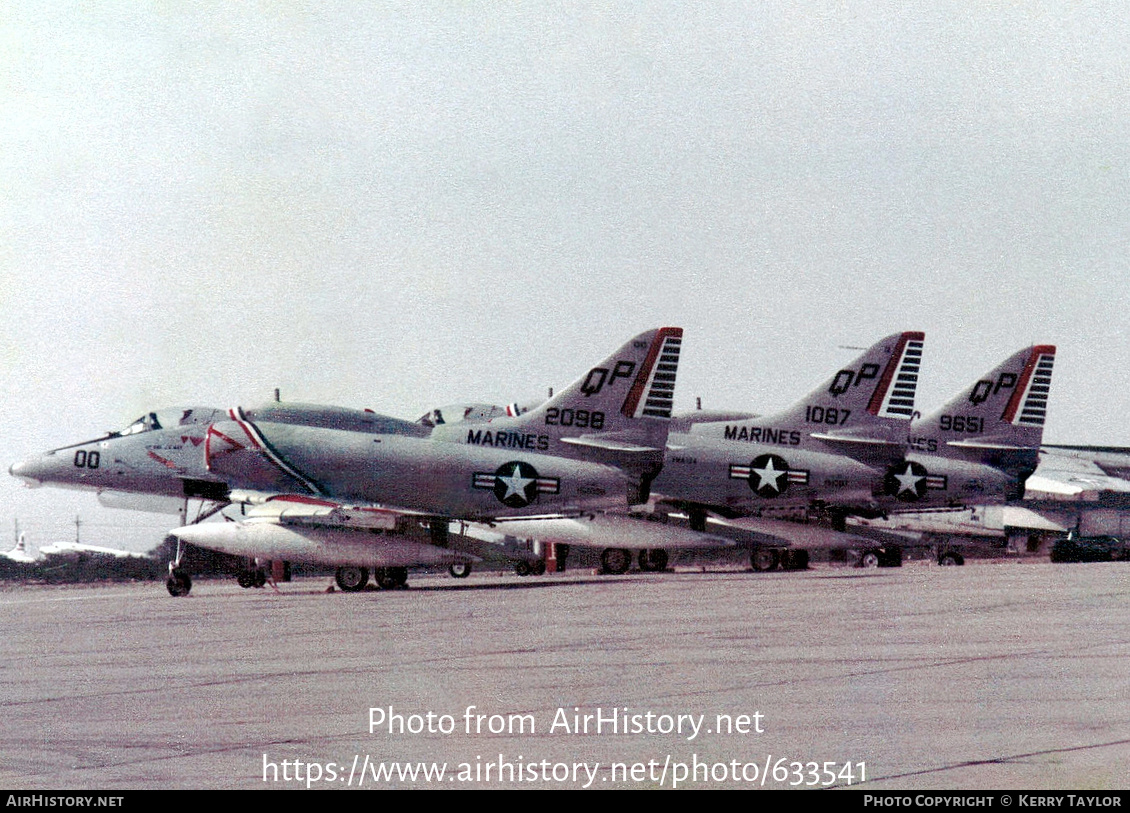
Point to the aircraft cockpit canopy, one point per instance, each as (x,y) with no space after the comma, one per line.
(170,418)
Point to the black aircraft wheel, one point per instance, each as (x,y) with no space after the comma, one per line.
(869,559)
(951,559)
(538,568)
(245,579)
(794,559)
(615,561)
(522,568)
(764,559)
(459,570)
(352,579)
(179,584)
(891,557)
(389,578)
(653,560)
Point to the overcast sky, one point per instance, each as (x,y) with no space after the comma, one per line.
(406,205)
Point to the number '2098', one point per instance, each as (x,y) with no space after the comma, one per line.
(582,418)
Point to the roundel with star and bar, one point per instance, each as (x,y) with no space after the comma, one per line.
(909,481)
(768,475)
(516,484)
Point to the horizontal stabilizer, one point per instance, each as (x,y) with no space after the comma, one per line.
(988,444)
(859,441)
(1003,411)
(609,443)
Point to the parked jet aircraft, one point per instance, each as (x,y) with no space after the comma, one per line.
(977,449)
(1090,473)
(597,444)
(158,462)
(70,550)
(316,478)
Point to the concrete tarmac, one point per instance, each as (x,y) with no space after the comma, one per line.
(996,675)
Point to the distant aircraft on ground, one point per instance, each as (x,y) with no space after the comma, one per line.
(19,553)
(72,550)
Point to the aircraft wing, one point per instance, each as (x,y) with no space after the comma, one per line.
(150,503)
(1080,473)
(1073,485)
(1110,460)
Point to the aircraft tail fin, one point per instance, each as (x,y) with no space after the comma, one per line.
(625,401)
(618,413)
(621,405)
(877,389)
(864,409)
(997,420)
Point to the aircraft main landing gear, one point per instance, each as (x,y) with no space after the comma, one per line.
(536,568)
(653,560)
(389,578)
(764,559)
(615,561)
(882,557)
(252,578)
(351,579)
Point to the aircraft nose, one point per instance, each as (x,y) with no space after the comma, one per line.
(26,471)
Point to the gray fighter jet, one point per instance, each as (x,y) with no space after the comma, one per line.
(344,486)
